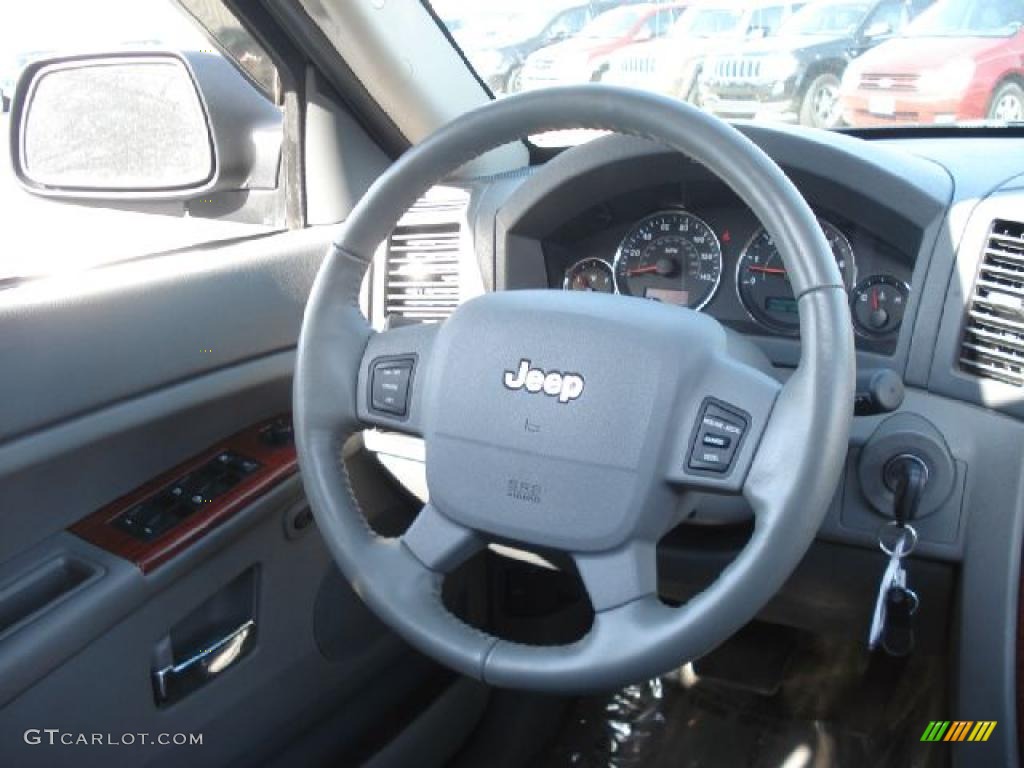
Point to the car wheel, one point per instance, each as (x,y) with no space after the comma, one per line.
(820,107)
(514,82)
(1007,104)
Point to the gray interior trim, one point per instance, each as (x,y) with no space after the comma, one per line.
(341,159)
(154,322)
(436,735)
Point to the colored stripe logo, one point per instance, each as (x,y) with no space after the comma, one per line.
(958,730)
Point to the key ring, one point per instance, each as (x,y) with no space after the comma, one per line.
(903,530)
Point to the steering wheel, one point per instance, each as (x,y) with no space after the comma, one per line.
(571,422)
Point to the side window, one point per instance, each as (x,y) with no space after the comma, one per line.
(192,84)
(665,19)
(767,19)
(890,15)
(566,24)
(657,24)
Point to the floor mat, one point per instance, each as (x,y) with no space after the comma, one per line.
(838,705)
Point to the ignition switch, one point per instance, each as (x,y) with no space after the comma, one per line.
(906,470)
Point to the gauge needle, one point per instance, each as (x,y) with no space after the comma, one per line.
(767,270)
(643,270)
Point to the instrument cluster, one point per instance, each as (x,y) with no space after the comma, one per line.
(725,263)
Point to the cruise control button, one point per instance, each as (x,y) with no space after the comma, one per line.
(710,460)
(719,433)
(716,441)
(389,386)
(712,420)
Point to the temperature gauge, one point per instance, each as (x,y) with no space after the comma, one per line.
(878,305)
(590,275)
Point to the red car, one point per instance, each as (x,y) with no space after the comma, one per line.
(581,58)
(960,60)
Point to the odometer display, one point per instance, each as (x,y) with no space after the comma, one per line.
(672,257)
(763,282)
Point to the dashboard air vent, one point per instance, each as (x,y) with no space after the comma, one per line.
(421,265)
(993,342)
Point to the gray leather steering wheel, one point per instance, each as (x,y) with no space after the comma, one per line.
(587,454)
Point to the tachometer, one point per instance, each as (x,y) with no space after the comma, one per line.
(763,283)
(591,274)
(671,256)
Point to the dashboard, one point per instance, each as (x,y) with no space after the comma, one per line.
(626,216)
(697,246)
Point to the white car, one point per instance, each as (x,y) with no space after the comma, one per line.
(583,57)
(671,65)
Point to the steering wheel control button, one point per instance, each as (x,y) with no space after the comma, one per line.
(390,379)
(719,432)
(716,441)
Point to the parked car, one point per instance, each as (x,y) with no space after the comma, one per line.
(584,57)
(497,43)
(958,61)
(672,64)
(795,76)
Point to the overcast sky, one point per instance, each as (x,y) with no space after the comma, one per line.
(456,8)
(47,26)
(63,25)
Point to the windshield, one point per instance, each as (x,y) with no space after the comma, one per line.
(827,64)
(963,18)
(503,24)
(827,19)
(706,22)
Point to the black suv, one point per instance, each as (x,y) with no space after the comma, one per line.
(795,75)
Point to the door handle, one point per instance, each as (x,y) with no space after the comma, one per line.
(173,681)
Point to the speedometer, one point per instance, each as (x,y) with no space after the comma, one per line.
(763,282)
(671,256)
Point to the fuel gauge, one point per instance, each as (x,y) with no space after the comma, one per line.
(879,302)
(590,274)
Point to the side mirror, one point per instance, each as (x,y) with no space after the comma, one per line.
(757,33)
(878,29)
(145,127)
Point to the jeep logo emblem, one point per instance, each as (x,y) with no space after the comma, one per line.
(564,386)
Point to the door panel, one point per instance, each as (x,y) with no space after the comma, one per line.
(111,380)
(283,686)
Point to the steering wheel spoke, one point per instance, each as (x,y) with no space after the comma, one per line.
(393,377)
(438,542)
(621,576)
